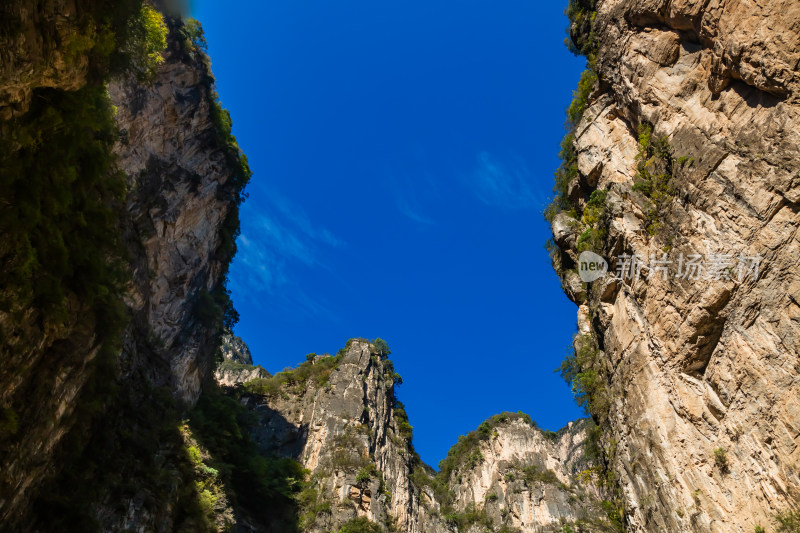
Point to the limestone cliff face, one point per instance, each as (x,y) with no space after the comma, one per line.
(343,423)
(701,421)
(177,224)
(237,363)
(181,193)
(340,428)
(527,479)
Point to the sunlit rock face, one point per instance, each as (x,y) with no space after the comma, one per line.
(341,425)
(701,374)
(237,363)
(530,480)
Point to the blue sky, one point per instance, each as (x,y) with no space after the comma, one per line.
(403,153)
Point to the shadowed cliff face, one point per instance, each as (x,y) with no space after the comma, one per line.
(692,134)
(174,227)
(181,193)
(35,39)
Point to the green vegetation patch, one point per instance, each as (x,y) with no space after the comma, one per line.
(721,459)
(655,169)
(581,39)
(568,169)
(788,522)
(360,525)
(295,380)
(532,474)
(585,373)
(265,486)
(472,515)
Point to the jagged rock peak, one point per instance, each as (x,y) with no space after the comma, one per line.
(234,349)
(339,416)
(237,363)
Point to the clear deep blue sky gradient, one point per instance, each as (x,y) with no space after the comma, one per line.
(402,155)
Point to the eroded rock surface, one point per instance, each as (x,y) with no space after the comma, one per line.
(181,200)
(237,363)
(701,374)
(345,427)
(179,178)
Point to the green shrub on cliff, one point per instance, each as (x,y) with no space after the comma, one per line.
(568,169)
(193,35)
(580,97)
(721,459)
(788,522)
(531,474)
(403,425)
(147,39)
(360,525)
(655,170)
(380,348)
(315,371)
(581,38)
(583,372)
(265,486)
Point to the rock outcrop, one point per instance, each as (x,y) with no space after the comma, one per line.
(237,363)
(182,193)
(531,480)
(338,415)
(178,223)
(691,137)
(40,46)
(341,424)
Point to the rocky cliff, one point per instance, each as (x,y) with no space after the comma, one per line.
(529,480)
(681,169)
(126,182)
(185,176)
(119,187)
(237,363)
(339,416)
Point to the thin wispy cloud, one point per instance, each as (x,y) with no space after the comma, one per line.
(275,239)
(405,207)
(297,217)
(406,196)
(505,185)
